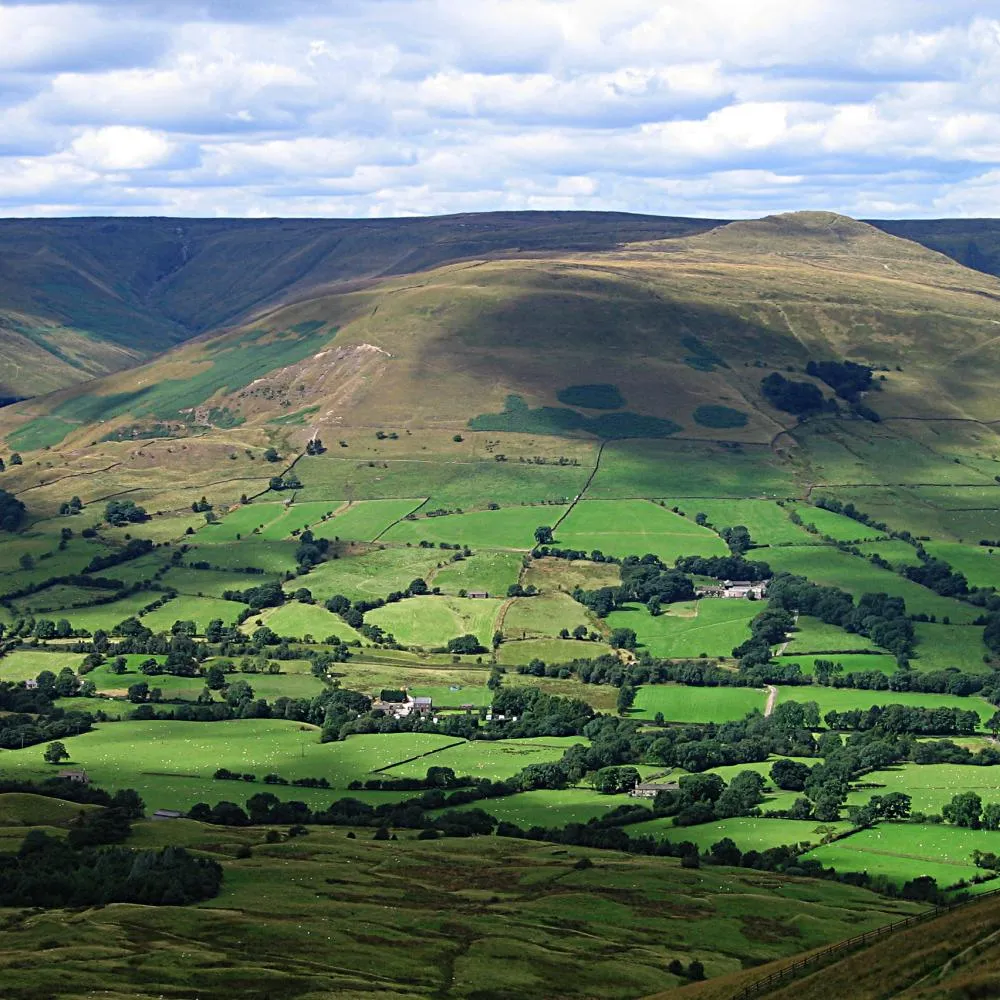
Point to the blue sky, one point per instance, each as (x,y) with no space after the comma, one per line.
(719,108)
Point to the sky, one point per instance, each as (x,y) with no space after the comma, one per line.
(375,108)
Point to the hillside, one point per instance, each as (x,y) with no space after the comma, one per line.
(80,298)
(952,956)
(476,919)
(675,325)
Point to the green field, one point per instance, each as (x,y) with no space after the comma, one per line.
(940,647)
(548,650)
(748,833)
(894,551)
(979,563)
(835,526)
(432,621)
(507,528)
(545,616)
(635,527)
(931,786)
(492,572)
(26,664)
(829,566)
(904,851)
(200,610)
(485,759)
(548,808)
(712,625)
(209,583)
(814,636)
(365,520)
(853,663)
(171,763)
(697,704)
(243,521)
(375,573)
(767,522)
(297,620)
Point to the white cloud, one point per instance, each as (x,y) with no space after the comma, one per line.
(121,147)
(378,107)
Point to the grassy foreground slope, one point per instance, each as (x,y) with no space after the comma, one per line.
(956,955)
(482,918)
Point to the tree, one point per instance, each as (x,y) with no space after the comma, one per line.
(271,455)
(543,535)
(789,774)
(623,638)
(626,697)
(56,753)
(991,816)
(26,562)
(122,512)
(138,693)
(965,809)
(11,511)
(15,458)
(466,644)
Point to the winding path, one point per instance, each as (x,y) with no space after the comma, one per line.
(772,700)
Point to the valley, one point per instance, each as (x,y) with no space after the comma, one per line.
(410,585)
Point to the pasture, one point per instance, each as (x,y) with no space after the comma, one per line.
(940,647)
(712,625)
(487,759)
(548,650)
(679,703)
(747,832)
(171,763)
(766,520)
(433,620)
(295,620)
(506,528)
(492,572)
(904,851)
(364,520)
(979,563)
(814,636)
(931,786)
(549,808)
(833,568)
(549,574)
(545,616)
(635,527)
(200,610)
(836,526)
(853,663)
(26,664)
(370,574)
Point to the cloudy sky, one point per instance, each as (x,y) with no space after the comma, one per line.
(728,108)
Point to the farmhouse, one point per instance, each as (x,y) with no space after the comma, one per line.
(650,789)
(734,589)
(407,707)
(478,593)
(31,684)
(76,775)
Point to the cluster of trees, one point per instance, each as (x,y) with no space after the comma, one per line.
(829,673)
(732,567)
(786,394)
(967,809)
(646,580)
(72,506)
(263,595)
(847,379)
(50,872)
(11,511)
(28,717)
(881,618)
(906,719)
(122,512)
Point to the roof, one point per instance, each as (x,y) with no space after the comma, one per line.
(656,786)
(167,814)
(423,701)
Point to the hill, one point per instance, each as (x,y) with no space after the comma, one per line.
(476,918)
(952,956)
(80,298)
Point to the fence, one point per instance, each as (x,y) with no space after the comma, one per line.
(841,947)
